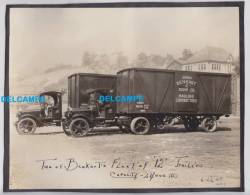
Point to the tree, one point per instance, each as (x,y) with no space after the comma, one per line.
(121,60)
(186,53)
(169,57)
(88,59)
(168,60)
(103,60)
(237,66)
(156,60)
(141,60)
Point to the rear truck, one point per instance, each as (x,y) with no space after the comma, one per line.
(84,110)
(196,98)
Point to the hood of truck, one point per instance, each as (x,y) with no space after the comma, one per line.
(32,112)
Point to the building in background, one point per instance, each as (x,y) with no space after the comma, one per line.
(236,94)
(214,60)
(210,59)
(175,64)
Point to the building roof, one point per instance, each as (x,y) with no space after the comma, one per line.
(209,54)
(177,61)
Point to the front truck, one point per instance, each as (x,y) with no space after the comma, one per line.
(47,113)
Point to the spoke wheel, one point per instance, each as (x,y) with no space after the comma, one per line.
(140,125)
(79,127)
(168,122)
(26,126)
(161,126)
(209,124)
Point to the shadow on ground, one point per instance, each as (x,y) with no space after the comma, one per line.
(183,130)
(115,131)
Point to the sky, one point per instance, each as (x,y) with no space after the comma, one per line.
(41,38)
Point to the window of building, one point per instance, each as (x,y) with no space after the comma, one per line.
(216,66)
(188,67)
(202,66)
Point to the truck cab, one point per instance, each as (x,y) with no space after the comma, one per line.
(94,113)
(85,111)
(105,110)
(47,113)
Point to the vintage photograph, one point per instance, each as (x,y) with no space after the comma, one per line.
(124,97)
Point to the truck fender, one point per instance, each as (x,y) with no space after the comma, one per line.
(30,116)
(83,116)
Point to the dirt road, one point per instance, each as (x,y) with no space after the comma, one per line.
(112,159)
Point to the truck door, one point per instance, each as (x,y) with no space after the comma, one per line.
(107,108)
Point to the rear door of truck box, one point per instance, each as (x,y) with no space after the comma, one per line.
(215,93)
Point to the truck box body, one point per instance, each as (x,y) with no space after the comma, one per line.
(79,83)
(167,91)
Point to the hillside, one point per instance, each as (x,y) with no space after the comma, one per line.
(47,80)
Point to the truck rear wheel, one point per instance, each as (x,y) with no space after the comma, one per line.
(167,122)
(209,124)
(79,127)
(140,126)
(26,126)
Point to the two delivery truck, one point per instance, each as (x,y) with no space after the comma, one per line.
(195,98)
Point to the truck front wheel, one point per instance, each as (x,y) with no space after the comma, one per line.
(140,126)
(79,127)
(26,126)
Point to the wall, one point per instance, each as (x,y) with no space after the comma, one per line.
(208,67)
